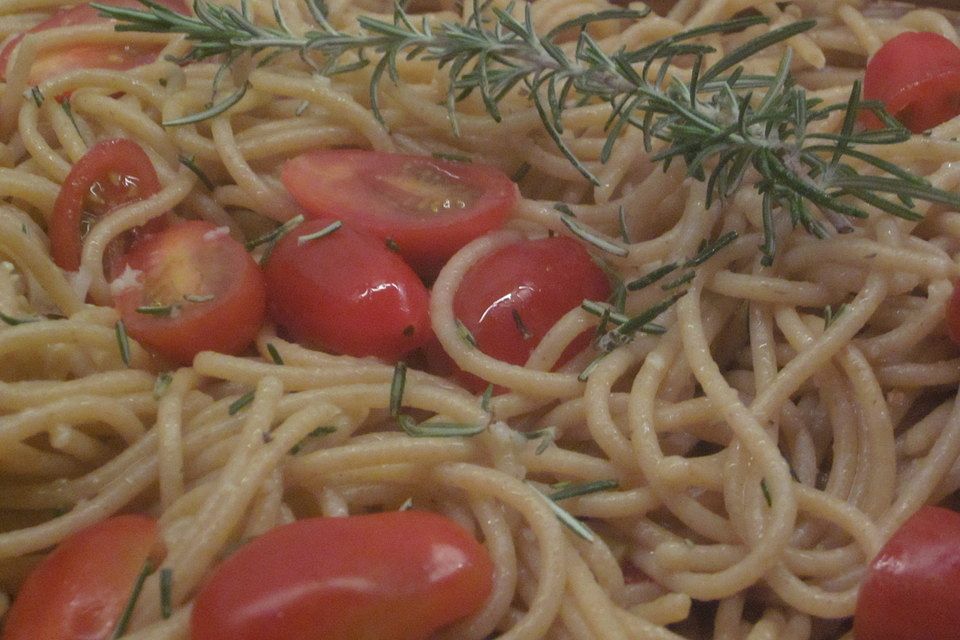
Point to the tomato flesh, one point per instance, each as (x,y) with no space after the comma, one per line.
(86,56)
(112,173)
(917,78)
(81,588)
(346,293)
(191,288)
(912,588)
(428,208)
(511,297)
(400,575)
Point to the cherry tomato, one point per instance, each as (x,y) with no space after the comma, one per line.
(917,78)
(512,296)
(429,208)
(81,588)
(399,575)
(346,292)
(112,173)
(191,288)
(912,588)
(85,56)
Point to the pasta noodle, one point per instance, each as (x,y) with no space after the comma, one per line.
(760,457)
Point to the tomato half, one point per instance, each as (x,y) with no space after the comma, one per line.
(399,575)
(81,588)
(191,288)
(112,173)
(912,588)
(428,208)
(86,56)
(347,293)
(917,78)
(511,297)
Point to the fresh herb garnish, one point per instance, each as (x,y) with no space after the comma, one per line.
(722,122)
(127,612)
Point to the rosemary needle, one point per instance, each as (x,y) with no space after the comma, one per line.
(722,122)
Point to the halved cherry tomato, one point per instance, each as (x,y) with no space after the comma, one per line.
(191,288)
(912,588)
(399,575)
(346,292)
(429,208)
(511,297)
(917,78)
(81,588)
(112,173)
(86,56)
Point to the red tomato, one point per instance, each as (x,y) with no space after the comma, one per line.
(346,293)
(912,588)
(428,207)
(917,78)
(80,590)
(86,56)
(112,173)
(399,575)
(196,289)
(512,296)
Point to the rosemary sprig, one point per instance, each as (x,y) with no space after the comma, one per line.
(721,122)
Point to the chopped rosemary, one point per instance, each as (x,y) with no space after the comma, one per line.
(622,224)
(68,109)
(274,354)
(198,298)
(127,612)
(452,157)
(829,315)
(521,327)
(593,238)
(547,436)
(322,233)
(565,209)
(564,517)
(13,321)
(316,433)
(766,492)
(438,429)
(240,403)
(36,95)
(721,123)
(166,591)
(486,397)
(521,172)
(576,489)
(680,281)
(396,388)
(123,342)
(162,384)
(190,162)
(465,334)
(276,234)
(655,275)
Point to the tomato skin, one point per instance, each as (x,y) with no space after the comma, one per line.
(535,281)
(193,258)
(86,56)
(429,207)
(400,575)
(346,293)
(120,172)
(917,78)
(81,588)
(912,588)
